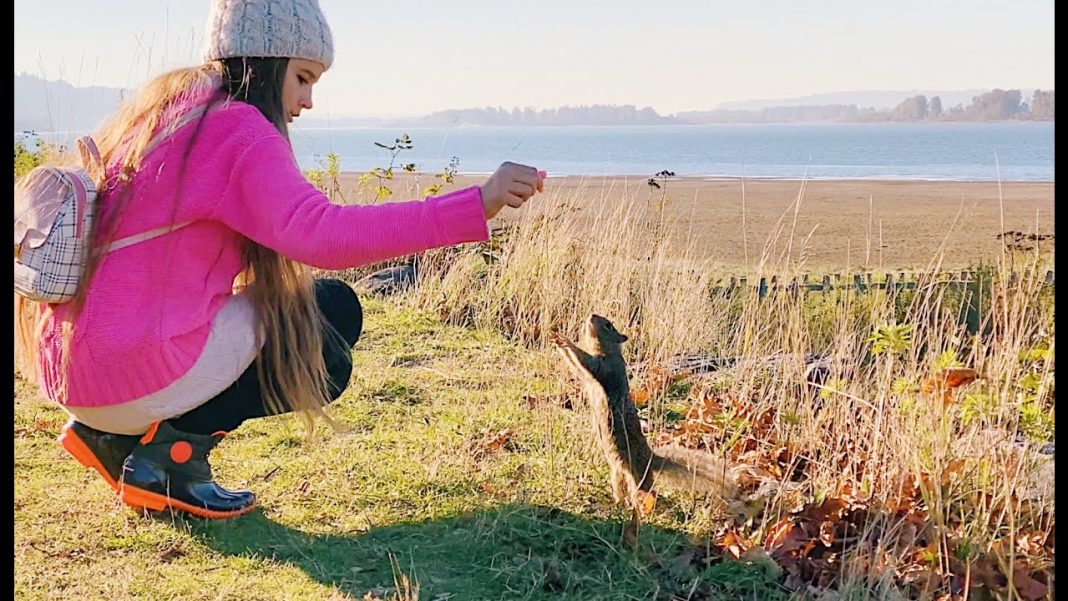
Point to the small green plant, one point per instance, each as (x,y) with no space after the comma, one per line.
(977,406)
(1036,416)
(905,389)
(947,360)
(1031,383)
(1039,353)
(894,339)
(904,386)
(907,407)
(328,178)
(1036,423)
(444,177)
(383,175)
(315,176)
(791,418)
(405,142)
(832,387)
(26,159)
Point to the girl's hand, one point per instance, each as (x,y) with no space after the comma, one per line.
(511,185)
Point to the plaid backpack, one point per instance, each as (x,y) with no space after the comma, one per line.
(54,209)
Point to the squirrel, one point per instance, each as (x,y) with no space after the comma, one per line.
(634,465)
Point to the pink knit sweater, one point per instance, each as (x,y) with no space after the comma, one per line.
(150,306)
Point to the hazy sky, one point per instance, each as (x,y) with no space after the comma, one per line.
(413,57)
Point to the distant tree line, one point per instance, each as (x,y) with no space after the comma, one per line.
(996,105)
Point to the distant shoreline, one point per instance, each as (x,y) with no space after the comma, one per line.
(749,178)
(415,127)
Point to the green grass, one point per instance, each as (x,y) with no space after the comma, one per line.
(409,491)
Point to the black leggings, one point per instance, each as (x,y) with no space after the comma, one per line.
(243,400)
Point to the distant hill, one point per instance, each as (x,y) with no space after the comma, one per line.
(307,121)
(43,105)
(774,114)
(598,114)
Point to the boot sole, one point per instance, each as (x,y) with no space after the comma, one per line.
(143,499)
(84,455)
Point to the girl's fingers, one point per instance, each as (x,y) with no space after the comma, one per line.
(527,176)
(521,190)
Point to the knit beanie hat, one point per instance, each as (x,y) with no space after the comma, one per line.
(268,28)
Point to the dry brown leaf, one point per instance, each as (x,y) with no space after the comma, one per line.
(640,397)
(489,442)
(1030,545)
(959,376)
(732,544)
(658,378)
(946,380)
(498,440)
(784,537)
(832,509)
(646,502)
(777,533)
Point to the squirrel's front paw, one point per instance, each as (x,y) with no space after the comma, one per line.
(559,340)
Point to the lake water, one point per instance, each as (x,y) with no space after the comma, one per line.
(1017,151)
(1023,151)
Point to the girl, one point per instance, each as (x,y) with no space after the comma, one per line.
(212,317)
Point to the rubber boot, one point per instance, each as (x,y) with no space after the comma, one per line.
(169,470)
(101,451)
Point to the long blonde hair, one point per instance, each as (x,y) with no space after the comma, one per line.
(291,369)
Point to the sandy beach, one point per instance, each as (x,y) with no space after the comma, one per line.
(849,224)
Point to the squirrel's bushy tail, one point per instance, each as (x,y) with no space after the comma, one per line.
(688,469)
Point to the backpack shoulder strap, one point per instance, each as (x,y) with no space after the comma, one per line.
(143,236)
(90,156)
(185,119)
(178,123)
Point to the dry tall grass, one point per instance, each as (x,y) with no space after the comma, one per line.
(880,421)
